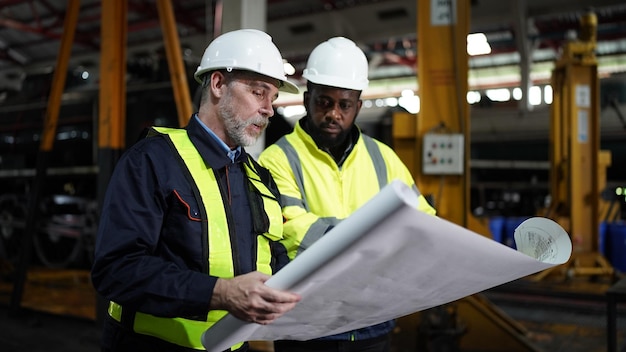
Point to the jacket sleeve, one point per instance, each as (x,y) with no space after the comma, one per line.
(132,266)
(298,221)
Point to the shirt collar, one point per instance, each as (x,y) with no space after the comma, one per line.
(232,154)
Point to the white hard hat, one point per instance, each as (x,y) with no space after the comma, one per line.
(337,62)
(245,49)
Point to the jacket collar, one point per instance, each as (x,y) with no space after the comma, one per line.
(211,151)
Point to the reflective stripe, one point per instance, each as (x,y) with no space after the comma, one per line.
(297,163)
(315,232)
(377,159)
(290,201)
(220,250)
(179,331)
(296,168)
(115,311)
(319,227)
(219,239)
(186,332)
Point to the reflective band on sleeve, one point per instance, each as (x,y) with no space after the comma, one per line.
(115,311)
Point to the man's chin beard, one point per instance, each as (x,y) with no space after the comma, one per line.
(248,139)
(325,142)
(241,136)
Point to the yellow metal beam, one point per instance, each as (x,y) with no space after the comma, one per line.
(112,95)
(174,58)
(112,101)
(483,319)
(442,28)
(59,76)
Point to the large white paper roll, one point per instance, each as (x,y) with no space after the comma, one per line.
(385,261)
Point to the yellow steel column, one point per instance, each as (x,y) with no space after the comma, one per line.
(112,98)
(442,29)
(112,101)
(178,74)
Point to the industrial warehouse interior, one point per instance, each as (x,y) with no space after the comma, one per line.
(534,90)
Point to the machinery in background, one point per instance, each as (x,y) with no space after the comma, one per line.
(577,169)
(435,147)
(68,207)
(578,166)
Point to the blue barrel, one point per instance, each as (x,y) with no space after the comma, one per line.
(496,227)
(617,245)
(510,224)
(602,247)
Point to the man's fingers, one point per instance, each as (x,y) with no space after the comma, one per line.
(249,299)
(277,296)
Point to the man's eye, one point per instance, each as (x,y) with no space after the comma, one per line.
(345,106)
(258,93)
(324,103)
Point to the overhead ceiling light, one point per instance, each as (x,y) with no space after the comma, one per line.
(499,94)
(477,44)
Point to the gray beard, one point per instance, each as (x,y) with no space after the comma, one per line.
(236,126)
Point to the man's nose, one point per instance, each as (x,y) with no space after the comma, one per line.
(333,113)
(267,109)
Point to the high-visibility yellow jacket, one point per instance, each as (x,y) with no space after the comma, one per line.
(216,236)
(317,194)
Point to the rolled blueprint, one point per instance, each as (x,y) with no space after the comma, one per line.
(385,261)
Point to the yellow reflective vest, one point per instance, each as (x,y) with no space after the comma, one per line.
(188,332)
(316,193)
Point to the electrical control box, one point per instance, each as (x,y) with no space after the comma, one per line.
(443,154)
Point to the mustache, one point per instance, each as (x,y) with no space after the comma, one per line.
(328,123)
(259,121)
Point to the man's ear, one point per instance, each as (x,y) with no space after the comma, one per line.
(217,82)
(306,98)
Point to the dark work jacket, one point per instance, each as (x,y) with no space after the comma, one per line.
(150,256)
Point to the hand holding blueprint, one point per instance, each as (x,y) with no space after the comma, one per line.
(389,260)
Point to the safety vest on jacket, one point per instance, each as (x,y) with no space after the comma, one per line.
(188,332)
(317,194)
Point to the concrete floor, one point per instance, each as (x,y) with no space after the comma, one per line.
(36,331)
(562,324)
(58,314)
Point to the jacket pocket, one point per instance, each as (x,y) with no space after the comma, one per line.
(189,204)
